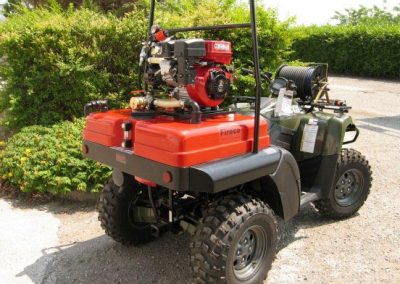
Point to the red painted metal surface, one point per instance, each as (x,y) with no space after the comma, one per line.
(198,90)
(177,143)
(218,52)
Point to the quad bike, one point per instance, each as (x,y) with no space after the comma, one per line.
(182,162)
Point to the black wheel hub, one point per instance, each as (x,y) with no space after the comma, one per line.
(349,187)
(249,252)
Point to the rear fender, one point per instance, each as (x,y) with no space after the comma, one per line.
(281,189)
(287,181)
(274,163)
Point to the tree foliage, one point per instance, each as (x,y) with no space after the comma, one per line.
(56,60)
(273,35)
(368,16)
(118,7)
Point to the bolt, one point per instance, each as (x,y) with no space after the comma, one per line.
(238,252)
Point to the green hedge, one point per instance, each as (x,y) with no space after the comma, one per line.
(356,50)
(49,159)
(273,35)
(54,62)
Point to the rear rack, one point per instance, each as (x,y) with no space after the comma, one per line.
(336,106)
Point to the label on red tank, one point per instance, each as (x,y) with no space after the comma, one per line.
(230,134)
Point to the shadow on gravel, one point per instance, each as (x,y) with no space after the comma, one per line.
(45,202)
(307,218)
(101,260)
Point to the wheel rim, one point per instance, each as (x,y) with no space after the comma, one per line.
(250,252)
(349,187)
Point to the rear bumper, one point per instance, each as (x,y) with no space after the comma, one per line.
(210,177)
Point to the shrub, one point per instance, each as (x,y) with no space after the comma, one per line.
(273,35)
(54,62)
(358,50)
(49,159)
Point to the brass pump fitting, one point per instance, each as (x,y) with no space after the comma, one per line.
(169,103)
(139,103)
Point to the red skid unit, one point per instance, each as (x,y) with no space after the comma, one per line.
(176,143)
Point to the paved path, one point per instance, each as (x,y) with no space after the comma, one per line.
(63,243)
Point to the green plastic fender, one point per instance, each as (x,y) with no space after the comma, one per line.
(331,132)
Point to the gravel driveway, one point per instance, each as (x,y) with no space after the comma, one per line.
(63,242)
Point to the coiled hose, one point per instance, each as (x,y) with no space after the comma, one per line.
(305,78)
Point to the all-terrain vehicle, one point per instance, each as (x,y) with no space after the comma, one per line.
(182,162)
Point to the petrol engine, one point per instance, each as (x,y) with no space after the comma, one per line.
(193,73)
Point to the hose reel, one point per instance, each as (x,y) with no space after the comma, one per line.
(309,80)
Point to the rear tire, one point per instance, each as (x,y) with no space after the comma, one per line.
(115,214)
(350,188)
(235,242)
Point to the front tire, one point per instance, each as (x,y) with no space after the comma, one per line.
(235,242)
(115,206)
(351,186)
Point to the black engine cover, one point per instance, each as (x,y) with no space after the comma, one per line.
(217,85)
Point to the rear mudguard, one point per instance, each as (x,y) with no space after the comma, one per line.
(212,177)
(275,162)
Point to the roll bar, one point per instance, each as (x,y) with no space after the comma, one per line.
(257,72)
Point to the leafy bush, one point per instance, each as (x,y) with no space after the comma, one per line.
(49,159)
(117,7)
(358,50)
(273,35)
(54,62)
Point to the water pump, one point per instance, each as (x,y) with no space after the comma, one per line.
(191,72)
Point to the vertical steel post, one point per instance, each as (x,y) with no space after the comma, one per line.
(256,75)
(151,16)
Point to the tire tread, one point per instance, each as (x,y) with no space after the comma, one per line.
(209,247)
(324,206)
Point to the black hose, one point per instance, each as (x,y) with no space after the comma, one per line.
(98,106)
(305,79)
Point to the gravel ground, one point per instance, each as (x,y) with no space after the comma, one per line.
(63,242)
